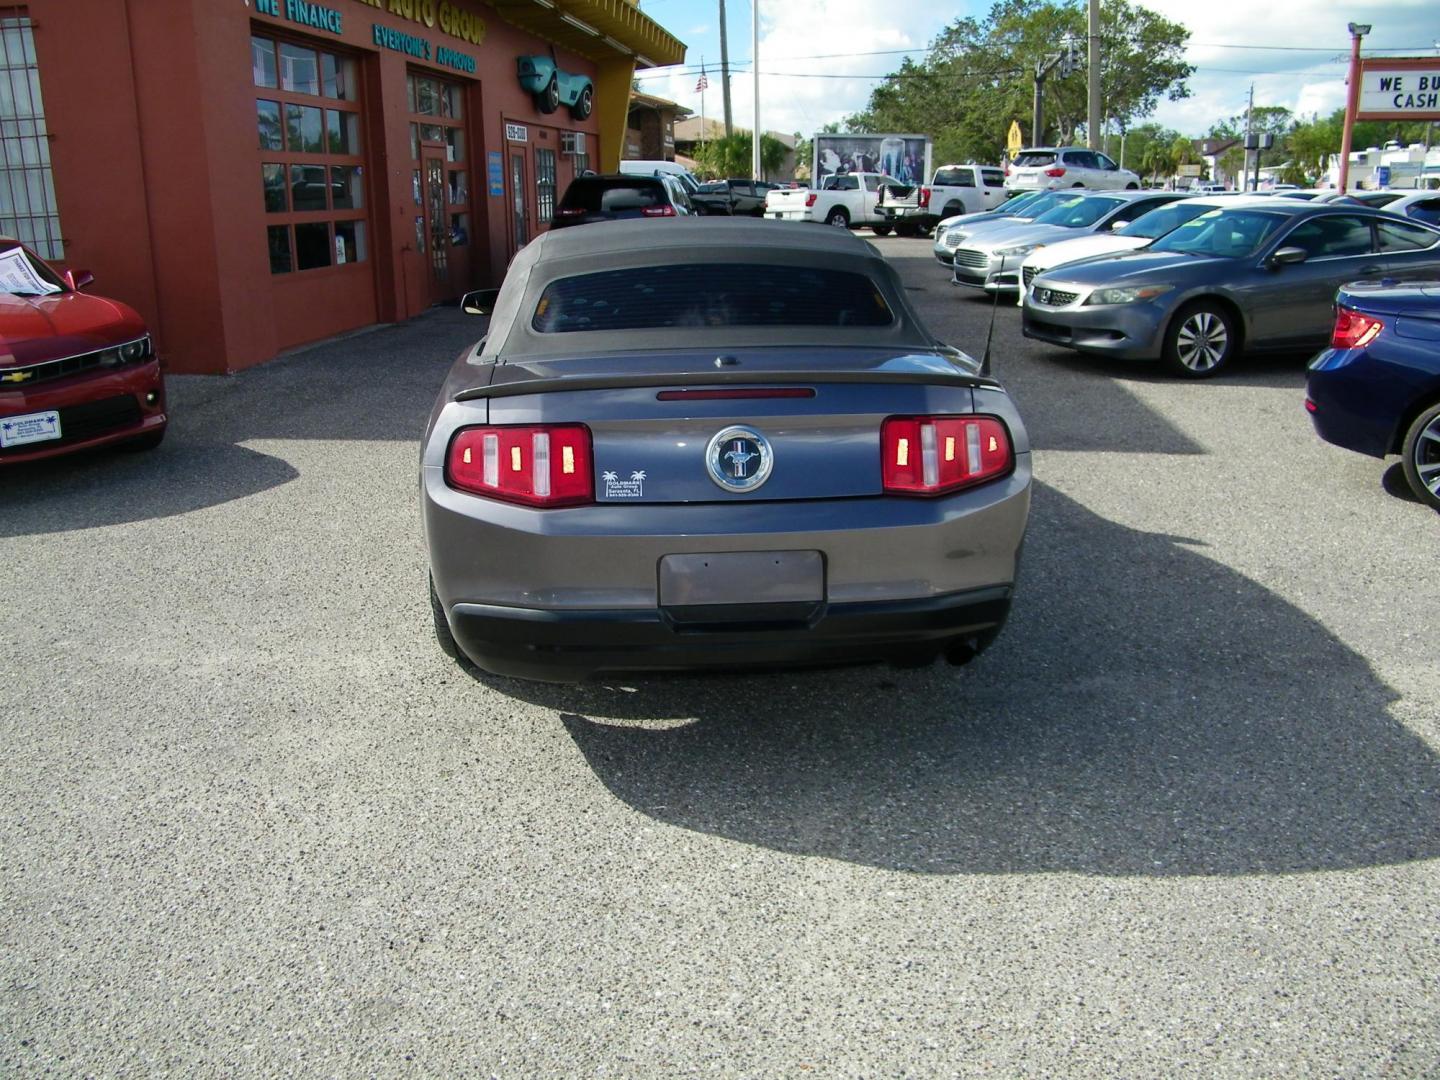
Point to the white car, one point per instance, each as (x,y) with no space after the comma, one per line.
(1049,167)
(990,259)
(1139,232)
(1420,205)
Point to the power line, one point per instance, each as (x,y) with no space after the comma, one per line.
(656,72)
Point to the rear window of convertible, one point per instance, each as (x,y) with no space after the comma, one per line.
(717,294)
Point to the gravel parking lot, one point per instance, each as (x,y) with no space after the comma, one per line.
(1183,820)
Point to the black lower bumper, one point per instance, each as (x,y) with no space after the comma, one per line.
(565,646)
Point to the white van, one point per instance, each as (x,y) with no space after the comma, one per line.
(654,168)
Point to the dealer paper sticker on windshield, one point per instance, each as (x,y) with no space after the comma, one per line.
(18,276)
(615,488)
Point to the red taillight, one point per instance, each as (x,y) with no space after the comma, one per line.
(810,199)
(1354,329)
(932,455)
(658,211)
(1007,168)
(1310,406)
(924,197)
(1056,171)
(534,465)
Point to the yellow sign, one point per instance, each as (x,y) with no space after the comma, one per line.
(1015,140)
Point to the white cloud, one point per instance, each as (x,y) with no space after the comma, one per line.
(1274,32)
(797,91)
(1294,51)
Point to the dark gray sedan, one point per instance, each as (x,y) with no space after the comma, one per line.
(1255,277)
(726,443)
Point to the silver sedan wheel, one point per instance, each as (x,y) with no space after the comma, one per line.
(1427,458)
(1420,456)
(1202,341)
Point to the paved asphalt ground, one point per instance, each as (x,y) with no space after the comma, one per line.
(1182,821)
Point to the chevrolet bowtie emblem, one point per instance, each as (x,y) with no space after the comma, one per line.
(15,376)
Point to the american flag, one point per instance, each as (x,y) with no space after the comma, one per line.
(703,84)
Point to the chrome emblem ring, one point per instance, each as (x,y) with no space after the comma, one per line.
(739,459)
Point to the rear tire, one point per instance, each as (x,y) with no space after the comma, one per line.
(1200,340)
(880,230)
(1420,457)
(443,637)
(838,217)
(1132,187)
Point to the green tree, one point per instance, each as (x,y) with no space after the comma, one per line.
(978,76)
(730,155)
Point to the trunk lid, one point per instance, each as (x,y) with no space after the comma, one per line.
(649,450)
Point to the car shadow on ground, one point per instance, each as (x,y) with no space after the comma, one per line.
(1149,713)
(378,385)
(111,486)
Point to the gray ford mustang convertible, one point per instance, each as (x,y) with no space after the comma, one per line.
(720,443)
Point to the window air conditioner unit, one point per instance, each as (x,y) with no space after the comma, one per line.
(572,142)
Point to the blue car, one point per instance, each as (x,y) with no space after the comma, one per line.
(541,76)
(1376,389)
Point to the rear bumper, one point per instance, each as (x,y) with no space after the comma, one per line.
(95,410)
(566,646)
(1360,400)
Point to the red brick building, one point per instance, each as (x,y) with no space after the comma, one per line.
(255,174)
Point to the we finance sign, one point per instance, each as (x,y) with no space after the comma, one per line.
(1400,89)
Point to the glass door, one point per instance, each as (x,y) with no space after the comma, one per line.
(437,227)
(517,199)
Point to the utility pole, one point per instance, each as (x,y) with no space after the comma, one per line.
(755,76)
(725,74)
(1092,119)
(1249,129)
(1042,70)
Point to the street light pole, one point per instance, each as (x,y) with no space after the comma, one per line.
(1352,101)
(755,75)
(1092,119)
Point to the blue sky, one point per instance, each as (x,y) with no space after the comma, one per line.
(819,58)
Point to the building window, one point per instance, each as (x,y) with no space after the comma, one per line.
(545,184)
(27,186)
(312,167)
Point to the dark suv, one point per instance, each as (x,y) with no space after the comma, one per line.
(614,196)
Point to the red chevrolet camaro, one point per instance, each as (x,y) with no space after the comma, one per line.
(76,371)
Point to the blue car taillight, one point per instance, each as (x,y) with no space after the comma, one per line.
(1354,329)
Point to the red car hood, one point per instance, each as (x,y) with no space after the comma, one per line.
(34,329)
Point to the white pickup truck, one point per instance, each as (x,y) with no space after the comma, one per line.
(845,199)
(954,189)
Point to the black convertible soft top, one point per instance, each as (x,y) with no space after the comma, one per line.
(622,245)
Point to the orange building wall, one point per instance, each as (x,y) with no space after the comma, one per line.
(152,110)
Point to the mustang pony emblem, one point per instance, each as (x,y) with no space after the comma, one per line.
(739,459)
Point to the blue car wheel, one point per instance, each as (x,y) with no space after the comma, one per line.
(548,100)
(583,104)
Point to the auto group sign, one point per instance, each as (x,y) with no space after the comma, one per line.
(1392,89)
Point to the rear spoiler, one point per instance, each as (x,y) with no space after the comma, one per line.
(552,385)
